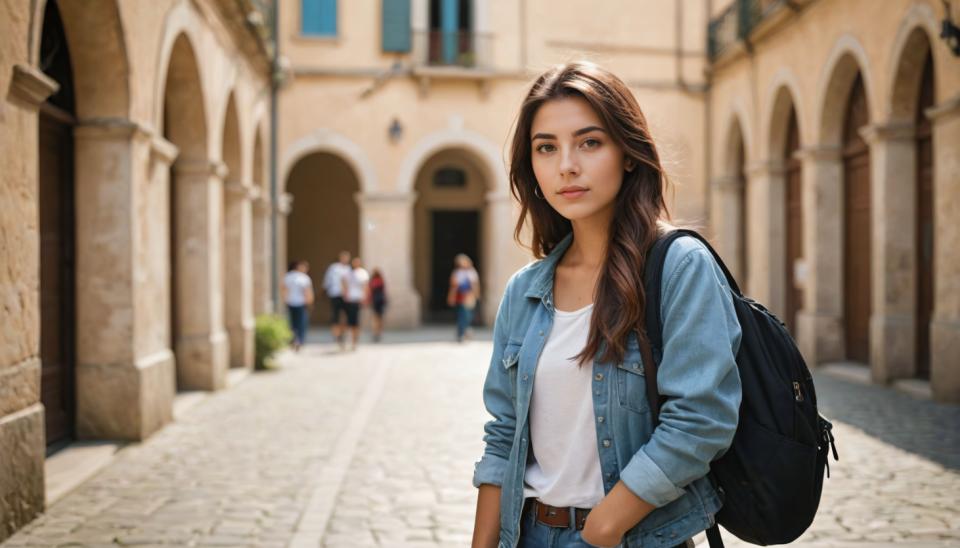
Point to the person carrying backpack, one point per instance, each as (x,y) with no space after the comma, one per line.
(572,457)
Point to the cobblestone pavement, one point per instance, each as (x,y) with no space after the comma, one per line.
(376,448)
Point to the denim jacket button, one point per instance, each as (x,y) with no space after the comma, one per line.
(606,443)
(600,419)
(599,377)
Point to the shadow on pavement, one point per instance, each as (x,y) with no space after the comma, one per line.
(926,428)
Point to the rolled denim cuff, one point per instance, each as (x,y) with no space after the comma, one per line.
(489,469)
(646,480)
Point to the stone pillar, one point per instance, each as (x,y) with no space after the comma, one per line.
(893,195)
(726,214)
(22,438)
(125,371)
(945,326)
(262,301)
(201,343)
(386,239)
(238,271)
(282,209)
(498,241)
(819,323)
(767,227)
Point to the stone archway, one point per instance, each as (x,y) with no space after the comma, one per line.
(237,271)
(449,217)
(324,219)
(729,203)
(196,217)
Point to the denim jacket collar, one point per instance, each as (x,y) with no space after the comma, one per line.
(542,284)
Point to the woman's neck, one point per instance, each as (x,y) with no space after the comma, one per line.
(590,238)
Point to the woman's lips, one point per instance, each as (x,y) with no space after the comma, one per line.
(573,193)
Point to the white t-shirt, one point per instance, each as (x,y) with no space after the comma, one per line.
(297,284)
(565,469)
(357,280)
(333,278)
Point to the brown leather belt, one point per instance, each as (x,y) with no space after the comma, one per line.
(555,516)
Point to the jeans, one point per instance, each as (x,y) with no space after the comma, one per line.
(298,323)
(534,534)
(464,319)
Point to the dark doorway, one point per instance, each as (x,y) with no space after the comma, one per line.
(925,277)
(57,236)
(453,232)
(856,238)
(794,178)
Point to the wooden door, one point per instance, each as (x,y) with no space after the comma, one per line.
(856,237)
(793,179)
(57,314)
(925,234)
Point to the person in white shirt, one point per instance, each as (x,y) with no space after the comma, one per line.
(355,287)
(333,286)
(297,291)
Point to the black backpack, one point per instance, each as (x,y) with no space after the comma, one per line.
(771,477)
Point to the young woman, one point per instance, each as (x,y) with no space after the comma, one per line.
(571,456)
(464,292)
(377,300)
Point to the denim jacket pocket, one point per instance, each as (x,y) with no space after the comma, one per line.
(510,359)
(632,383)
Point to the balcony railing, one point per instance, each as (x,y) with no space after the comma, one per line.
(463,49)
(736,22)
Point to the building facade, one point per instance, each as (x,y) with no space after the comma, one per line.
(135,216)
(395,121)
(836,138)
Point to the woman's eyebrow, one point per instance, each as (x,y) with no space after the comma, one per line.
(577,133)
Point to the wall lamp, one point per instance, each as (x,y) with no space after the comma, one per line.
(949,31)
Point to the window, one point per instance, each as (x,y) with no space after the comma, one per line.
(450,177)
(396,25)
(318,17)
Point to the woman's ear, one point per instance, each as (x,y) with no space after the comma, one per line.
(629,164)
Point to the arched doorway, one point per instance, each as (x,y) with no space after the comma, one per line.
(793,179)
(925,224)
(57,119)
(196,309)
(449,218)
(857,240)
(325,219)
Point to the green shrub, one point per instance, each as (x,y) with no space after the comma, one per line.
(271,334)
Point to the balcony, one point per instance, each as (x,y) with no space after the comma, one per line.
(736,23)
(455,51)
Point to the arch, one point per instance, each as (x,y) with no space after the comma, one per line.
(182,91)
(101,66)
(910,48)
(736,142)
(231,151)
(477,145)
(845,62)
(782,98)
(181,25)
(325,140)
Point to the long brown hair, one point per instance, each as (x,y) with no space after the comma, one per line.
(640,204)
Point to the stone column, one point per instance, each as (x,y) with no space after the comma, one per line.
(498,240)
(726,214)
(201,344)
(22,438)
(386,239)
(125,370)
(262,301)
(945,326)
(282,209)
(893,196)
(238,274)
(767,228)
(819,323)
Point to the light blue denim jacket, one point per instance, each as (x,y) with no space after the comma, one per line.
(666,466)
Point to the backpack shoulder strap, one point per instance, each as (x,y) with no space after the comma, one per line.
(651,348)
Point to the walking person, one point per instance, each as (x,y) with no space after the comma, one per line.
(354,294)
(572,458)
(378,302)
(333,286)
(463,293)
(298,295)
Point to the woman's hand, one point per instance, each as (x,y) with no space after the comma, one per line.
(614,516)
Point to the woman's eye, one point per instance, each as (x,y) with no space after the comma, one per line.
(546,147)
(591,143)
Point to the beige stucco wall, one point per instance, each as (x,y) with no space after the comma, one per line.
(125,366)
(343,97)
(809,59)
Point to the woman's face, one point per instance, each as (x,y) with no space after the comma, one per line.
(577,164)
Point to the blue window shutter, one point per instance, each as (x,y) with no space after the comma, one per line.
(318,17)
(396,25)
